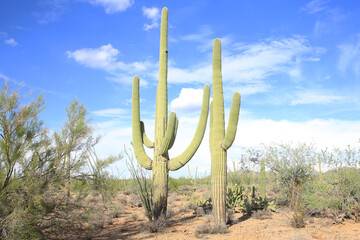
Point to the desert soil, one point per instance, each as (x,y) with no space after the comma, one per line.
(184,222)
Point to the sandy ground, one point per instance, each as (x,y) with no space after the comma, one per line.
(184,222)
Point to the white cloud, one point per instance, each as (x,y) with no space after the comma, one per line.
(11,42)
(113,6)
(313,59)
(349,58)
(315,6)
(247,66)
(251,133)
(324,133)
(112,112)
(311,97)
(189,100)
(328,17)
(154,15)
(106,58)
(103,57)
(244,66)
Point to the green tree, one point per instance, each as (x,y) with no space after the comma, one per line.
(24,156)
(74,140)
(20,128)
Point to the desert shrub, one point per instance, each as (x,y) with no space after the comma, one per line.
(170,213)
(176,183)
(338,191)
(172,198)
(38,171)
(134,200)
(121,198)
(211,229)
(143,185)
(186,190)
(133,217)
(156,225)
(262,214)
(293,166)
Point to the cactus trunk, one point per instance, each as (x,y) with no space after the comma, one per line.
(219,141)
(165,130)
(218,184)
(160,186)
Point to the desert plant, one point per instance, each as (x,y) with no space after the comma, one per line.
(262,214)
(262,179)
(219,141)
(211,229)
(245,199)
(165,130)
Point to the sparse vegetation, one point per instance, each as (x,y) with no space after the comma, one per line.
(211,229)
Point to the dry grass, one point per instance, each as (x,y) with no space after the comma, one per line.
(262,214)
(210,229)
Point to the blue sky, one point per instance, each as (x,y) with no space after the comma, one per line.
(295,63)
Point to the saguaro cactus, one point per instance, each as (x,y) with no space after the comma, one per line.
(262,179)
(219,141)
(165,131)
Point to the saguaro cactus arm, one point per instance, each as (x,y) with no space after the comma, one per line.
(179,161)
(174,134)
(169,134)
(139,151)
(218,121)
(147,142)
(233,120)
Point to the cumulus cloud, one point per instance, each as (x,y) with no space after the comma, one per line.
(154,15)
(103,57)
(106,58)
(324,133)
(251,133)
(349,58)
(11,42)
(113,6)
(189,100)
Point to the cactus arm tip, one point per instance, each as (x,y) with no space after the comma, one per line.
(174,135)
(146,141)
(139,151)
(169,134)
(233,121)
(179,161)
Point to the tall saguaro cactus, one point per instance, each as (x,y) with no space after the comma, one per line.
(219,141)
(165,130)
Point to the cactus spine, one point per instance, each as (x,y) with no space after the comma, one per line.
(219,141)
(165,130)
